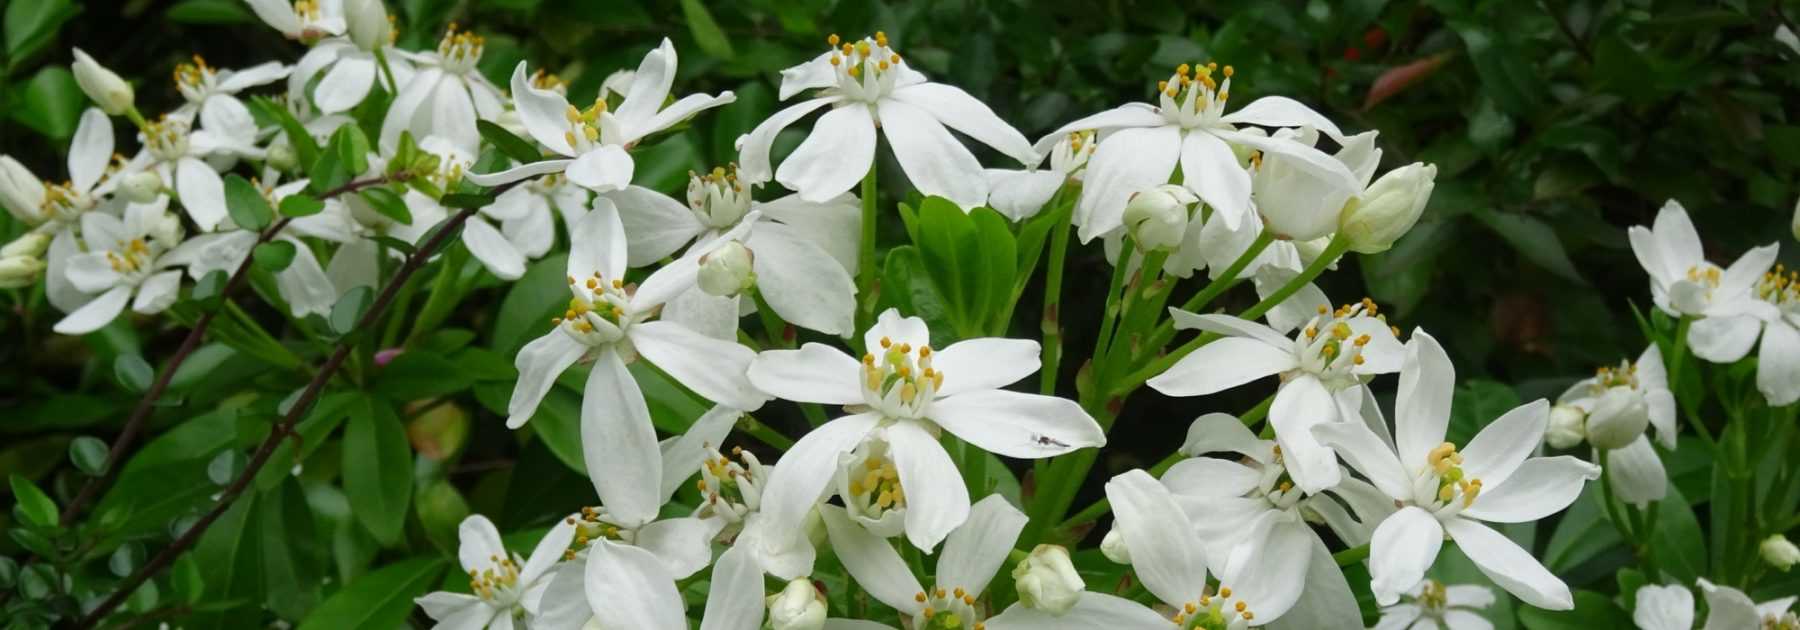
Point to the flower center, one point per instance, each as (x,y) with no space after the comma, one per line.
(730,489)
(194,80)
(899,380)
(717,198)
(62,202)
(1276,486)
(1705,275)
(497,584)
(166,138)
(131,257)
(309,13)
(1072,152)
(598,312)
(544,80)
(864,69)
(1441,486)
(1224,610)
(1780,287)
(1609,377)
(948,610)
(594,524)
(871,485)
(1434,597)
(1330,348)
(1193,98)
(460,50)
(1781,621)
(585,126)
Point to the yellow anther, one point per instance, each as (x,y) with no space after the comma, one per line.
(885,342)
(920,597)
(1224,591)
(832,40)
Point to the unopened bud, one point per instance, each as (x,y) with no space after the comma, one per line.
(1619,418)
(141,187)
(1047,580)
(282,157)
(1113,547)
(21,191)
(109,92)
(17,272)
(1779,552)
(727,271)
(797,607)
(368,23)
(1567,428)
(1158,217)
(1383,213)
(30,244)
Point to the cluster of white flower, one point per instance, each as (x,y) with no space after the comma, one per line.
(1185,183)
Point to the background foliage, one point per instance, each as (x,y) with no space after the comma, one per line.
(1554,124)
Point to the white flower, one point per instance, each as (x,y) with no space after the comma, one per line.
(1684,284)
(1446,493)
(901,394)
(804,252)
(341,73)
(606,323)
(1672,608)
(594,141)
(726,271)
(445,95)
(534,207)
(303,284)
(123,258)
(103,86)
(1322,370)
(304,20)
(1778,358)
(507,590)
(1158,218)
(211,94)
(1432,605)
(971,556)
(1779,552)
(799,606)
(869,86)
(1300,203)
(1621,402)
(1383,213)
(1141,145)
(56,209)
(1021,194)
(1047,581)
(179,155)
(627,588)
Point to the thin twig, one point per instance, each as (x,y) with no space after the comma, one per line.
(140,414)
(278,433)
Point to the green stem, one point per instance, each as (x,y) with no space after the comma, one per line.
(772,324)
(1053,281)
(1213,289)
(1612,504)
(136,117)
(1099,508)
(1351,556)
(865,257)
(387,72)
(1140,308)
(749,424)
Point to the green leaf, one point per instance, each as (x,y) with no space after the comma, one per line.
(249,208)
(465,200)
(508,143)
(907,287)
(997,268)
(379,600)
(51,101)
(189,584)
(1679,547)
(300,205)
(972,259)
(377,469)
(1505,73)
(557,424)
(209,12)
(441,510)
(525,312)
(419,374)
(328,172)
(706,30)
(31,24)
(1593,611)
(1533,239)
(33,504)
(352,149)
(133,372)
(89,454)
(387,203)
(274,256)
(349,309)
(306,149)
(210,286)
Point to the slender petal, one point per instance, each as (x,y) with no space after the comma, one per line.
(802,291)
(976,550)
(1637,474)
(95,314)
(735,599)
(539,363)
(628,587)
(650,84)
(543,112)
(202,192)
(1211,169)
(1777,370)
(816,373)
(833,158)
(1326,598)
(714,369)
(1677,239)
(754,166)
(1223,432)
(348,82)
(1664,608)
(936,162)
(607,167)
(549,551)
(1211,477)
(957,110)
(1509,565)
(1128,161)
(157,292)
(890,325)
(816,73)
(1300,405)
(1014,424)
(456,611)
(1503,444)
(1264,573)
(1422,404)
(1728,608)
(1228,326)
(1221,365)
(1121,117)
(684,455)
(936,499)
(1364,451)
(872,561)
(803,473)
(1404,546)
(834,226)
(91,149)
(479,543)
(490,247)
(619,443)
(1281,111)
(656,224)
(1164,552)
(682,544)
(1540,487)
(598,243)
(986,363)
(1093,610)
(522,171)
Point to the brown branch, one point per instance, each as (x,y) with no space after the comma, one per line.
(140,414)
(279,432)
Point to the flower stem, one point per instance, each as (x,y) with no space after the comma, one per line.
(865,257)
(1053,281)
(1213,289)
(387,72)
(1110,314)
(1352,555)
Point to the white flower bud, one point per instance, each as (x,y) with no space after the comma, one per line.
(17,272)
(1567,428)
(1383,213)
(797,607)
(1047,580)
(727,271)
(1779,552)
(1157,218)
(21,192)
(1113,547)
(111,93)
(30,244)
(141,187)
(368,23)
(1619,417)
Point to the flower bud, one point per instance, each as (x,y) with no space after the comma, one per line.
(21,192)
(17,272)
(797,607)
(1383,213)
(368,23)
(1157,218)
(281,156)
(30,244)
(1047,580)
(727,271)
(1567,428)
(141,187)
(1113,547)
(111,93)
(1779,552)
(1619,417)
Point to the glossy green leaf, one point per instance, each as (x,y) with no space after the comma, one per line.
(387,203)
(274,256)
(133,372)
(418,374)
(352,149)
(248,207)
(379,600)
(530,302)
(51,102)
(210,12)
(301,205)
(89,454)
(706,30)
(378,469)
(33,504)
(30,25)
(508,143)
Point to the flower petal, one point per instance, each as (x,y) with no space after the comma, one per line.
(543,112)
(1777,372)
(1367,454)
(734,601)
(479,544)
(202,192)
(627,587)
(1228,326)
(1664,608)
(1501,446)
(1121,117)
(656,224)
(1221,365)
(619,444)
(456,611)
(976,550)
(606,168)
(1223,432)
(1126,162)
(801,476)
(91,149)
(1637,474)
(1728,608)
(1093,610)
(549,551)
(754,165)
(1211,477)
(1300,405)
(834,226)
(1015,424)
(1021,195)
(935,161)
(1676,239)
(872,561)
(1164,552)
(986,363)
(1263,571)
(490,247)
(95,314)
(1403,547)
(683,455)
(598,243)
(954,108)
(516,173)
(684,545)
(1327,598)
(1509,565)
(833,158)
(1281,111)
(936,499)
(348,83)
(714,369)
(890,325)
(816,373)
(1422,404)
(157,292)
(539,363)
(1211,169)
(1540,487)
(804,292)
(650,84)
